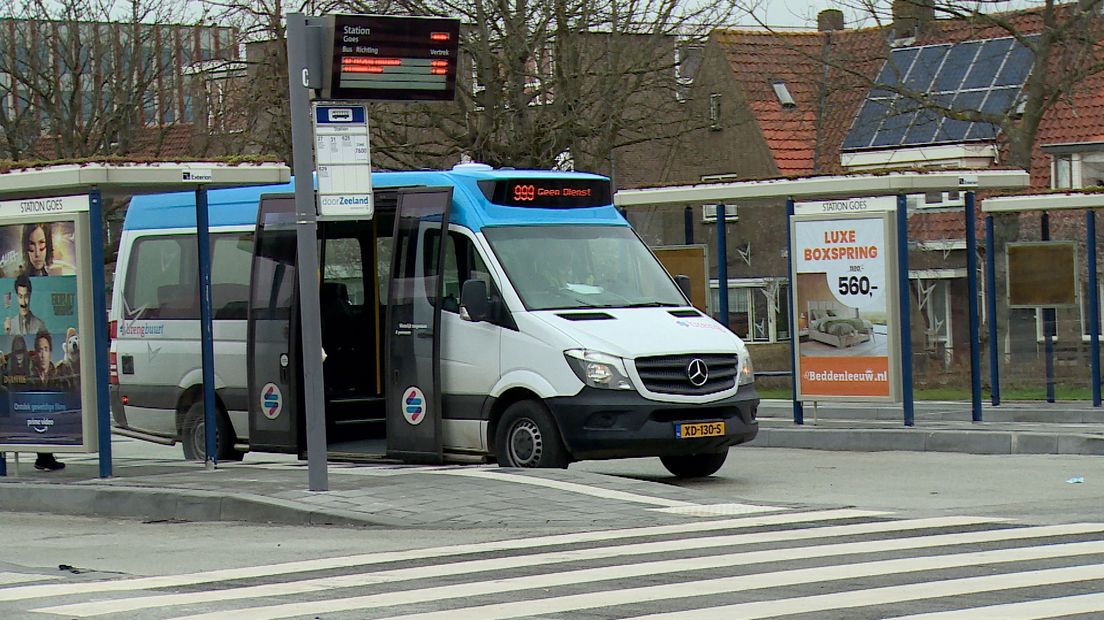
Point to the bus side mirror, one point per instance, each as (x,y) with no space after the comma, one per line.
(474,303)
(683,282)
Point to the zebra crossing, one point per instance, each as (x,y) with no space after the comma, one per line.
(834,563)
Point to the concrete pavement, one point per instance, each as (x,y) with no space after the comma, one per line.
(153,482)
(273,488)
(1034,427)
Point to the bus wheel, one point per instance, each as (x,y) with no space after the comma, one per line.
(527,437)
(694,465)
(195,436)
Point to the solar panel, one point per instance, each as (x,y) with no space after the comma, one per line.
(985,75)
(866,124)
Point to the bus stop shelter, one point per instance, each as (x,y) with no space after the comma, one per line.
(1045,203)
(898,184)
(95,181)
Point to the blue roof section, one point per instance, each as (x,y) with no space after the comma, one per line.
(238,206)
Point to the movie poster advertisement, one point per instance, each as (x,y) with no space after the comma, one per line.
(845,302)
(40,378)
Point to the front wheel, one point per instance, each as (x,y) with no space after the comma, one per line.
(194,436)
(527,437)
(694,465)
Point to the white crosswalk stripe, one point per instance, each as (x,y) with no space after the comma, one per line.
(751,567)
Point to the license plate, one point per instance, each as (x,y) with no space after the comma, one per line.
(699,429)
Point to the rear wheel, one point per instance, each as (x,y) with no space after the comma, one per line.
(527,437)
(195,436)
(694,465)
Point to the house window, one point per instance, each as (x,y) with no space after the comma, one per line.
(935,306)
(1063,172)
(715,111)
(1085,313)
(758,309)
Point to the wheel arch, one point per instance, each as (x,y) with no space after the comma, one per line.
(503,402)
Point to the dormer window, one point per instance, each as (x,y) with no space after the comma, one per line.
(783,94)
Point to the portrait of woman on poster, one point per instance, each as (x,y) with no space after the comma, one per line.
(38,250)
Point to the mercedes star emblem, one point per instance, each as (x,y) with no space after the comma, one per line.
(697,372)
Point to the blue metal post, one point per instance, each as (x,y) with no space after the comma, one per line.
(795,340)
(206,333)
(722,266)
(3,464)
(99,329)
(1094,307)
(991,311)
(906,307)
(688,224)
(972,291)
(1048,321)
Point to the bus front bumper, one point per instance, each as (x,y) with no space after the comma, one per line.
(605,424)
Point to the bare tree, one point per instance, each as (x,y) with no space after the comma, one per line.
(545,81)
(79,78)
(1065,40)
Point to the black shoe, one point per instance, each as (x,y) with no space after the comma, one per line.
(48,464)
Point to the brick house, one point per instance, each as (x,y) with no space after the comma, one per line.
(800,104)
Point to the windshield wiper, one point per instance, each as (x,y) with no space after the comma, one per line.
(643,304)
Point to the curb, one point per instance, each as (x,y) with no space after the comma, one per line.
(920,440)
(170,504)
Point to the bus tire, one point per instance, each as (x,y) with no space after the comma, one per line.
(527,437)
(694,465)
(194,436)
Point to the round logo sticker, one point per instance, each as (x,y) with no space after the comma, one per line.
(272,401)
(414,405)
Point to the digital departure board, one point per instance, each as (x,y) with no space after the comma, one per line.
(393,58)
(545,193)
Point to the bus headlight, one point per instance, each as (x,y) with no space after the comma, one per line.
(599,370)
(747,370)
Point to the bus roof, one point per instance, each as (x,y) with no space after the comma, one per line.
(238,206)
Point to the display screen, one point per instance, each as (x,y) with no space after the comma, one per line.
(394,58)
(548,193)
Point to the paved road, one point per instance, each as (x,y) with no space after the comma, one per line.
(1033,488)
(821,563)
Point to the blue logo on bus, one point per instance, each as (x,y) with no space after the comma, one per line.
(414,405)
(272,401)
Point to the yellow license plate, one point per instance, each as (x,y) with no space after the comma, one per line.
(699,429)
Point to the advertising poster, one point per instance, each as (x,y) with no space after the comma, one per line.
(845,307)
(40,391)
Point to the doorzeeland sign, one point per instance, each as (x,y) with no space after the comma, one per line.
(845,306)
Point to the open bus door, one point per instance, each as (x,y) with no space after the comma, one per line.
(351,332)
(273,335)
(413,335)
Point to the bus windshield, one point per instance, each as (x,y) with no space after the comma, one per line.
(564,267)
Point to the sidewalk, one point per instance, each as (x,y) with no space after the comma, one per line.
(1073,427)
(273,488)
(153,483)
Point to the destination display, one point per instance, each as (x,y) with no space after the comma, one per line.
(548,193)
(393,58)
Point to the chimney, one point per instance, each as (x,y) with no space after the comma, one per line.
(830,20)
(910,16)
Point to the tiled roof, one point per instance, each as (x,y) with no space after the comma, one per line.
(758,59)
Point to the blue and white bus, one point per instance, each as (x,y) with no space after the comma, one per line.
(478,314)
